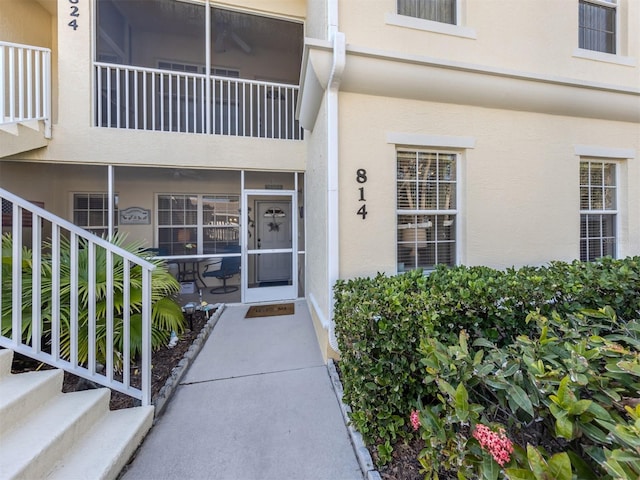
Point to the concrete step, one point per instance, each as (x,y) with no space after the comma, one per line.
(6,359)
(120,433)
(23,394)
(45,433)
(32,447)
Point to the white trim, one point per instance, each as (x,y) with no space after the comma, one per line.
(429,26)
(324,321)
(486,69)
(613,212)
(438,141)
(456,212)
(603,152)
(612,4)
(604,57)
(274,293)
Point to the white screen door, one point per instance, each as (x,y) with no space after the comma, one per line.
(271,265)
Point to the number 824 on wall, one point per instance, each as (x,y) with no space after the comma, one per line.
(75,12)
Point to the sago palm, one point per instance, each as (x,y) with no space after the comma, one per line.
(165,312)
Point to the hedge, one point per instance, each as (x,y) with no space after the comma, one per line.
(381,322)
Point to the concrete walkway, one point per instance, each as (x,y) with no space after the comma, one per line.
(257,403)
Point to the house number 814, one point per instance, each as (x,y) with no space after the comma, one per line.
(75,12)
(361,177)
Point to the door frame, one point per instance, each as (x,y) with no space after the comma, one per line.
(274,293)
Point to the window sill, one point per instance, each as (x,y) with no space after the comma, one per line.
(604,57)
(429,26)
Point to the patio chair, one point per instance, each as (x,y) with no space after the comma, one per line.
(229,266)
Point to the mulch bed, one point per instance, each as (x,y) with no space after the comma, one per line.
(163,363)
(404,464)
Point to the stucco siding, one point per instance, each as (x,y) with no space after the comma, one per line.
(534,36)
(519,183)
(25,21)
(316,214)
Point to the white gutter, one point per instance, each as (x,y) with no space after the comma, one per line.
(333,220)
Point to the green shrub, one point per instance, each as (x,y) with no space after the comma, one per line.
(379,332)
(566,396)
(381,321)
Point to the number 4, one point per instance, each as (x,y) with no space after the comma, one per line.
(74,24)
(362,211)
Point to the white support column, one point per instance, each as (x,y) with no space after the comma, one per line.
(333,149)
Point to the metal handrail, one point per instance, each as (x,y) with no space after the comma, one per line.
(154,99)
(19,214)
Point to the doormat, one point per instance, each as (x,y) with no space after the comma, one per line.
(270,310)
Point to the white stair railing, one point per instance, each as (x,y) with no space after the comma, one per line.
(153,99)
(41,282)
(25,85)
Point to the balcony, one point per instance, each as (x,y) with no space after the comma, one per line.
(173,66)
(162,100)
(25,97)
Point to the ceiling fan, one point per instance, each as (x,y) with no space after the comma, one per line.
(179,173)
(225,30)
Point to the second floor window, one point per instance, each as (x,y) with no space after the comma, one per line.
(435,10)
(597,25)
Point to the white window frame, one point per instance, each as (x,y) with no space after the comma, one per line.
(200,226)
(604,211)
(614,5)
(456,20)
(453,212)
(415,23)
(96,229)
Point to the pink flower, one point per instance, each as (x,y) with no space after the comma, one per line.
(415,420)
(496,443)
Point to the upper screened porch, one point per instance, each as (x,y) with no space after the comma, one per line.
(173,66)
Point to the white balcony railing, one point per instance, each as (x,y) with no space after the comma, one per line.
(44,284)
(151,99)
(25,85)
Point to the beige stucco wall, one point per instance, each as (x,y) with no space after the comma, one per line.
(25,21)
(537,36)
(316,235)
(289,8)
(316,23)
(519,185)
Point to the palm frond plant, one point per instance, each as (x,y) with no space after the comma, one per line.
(166,314)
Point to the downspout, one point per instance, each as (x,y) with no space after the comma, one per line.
(110,199)
(333,220)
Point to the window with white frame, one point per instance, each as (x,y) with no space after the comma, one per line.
(190,224)
(91,212)
(598,209)
(426,187)
(443,11)
(597,25)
